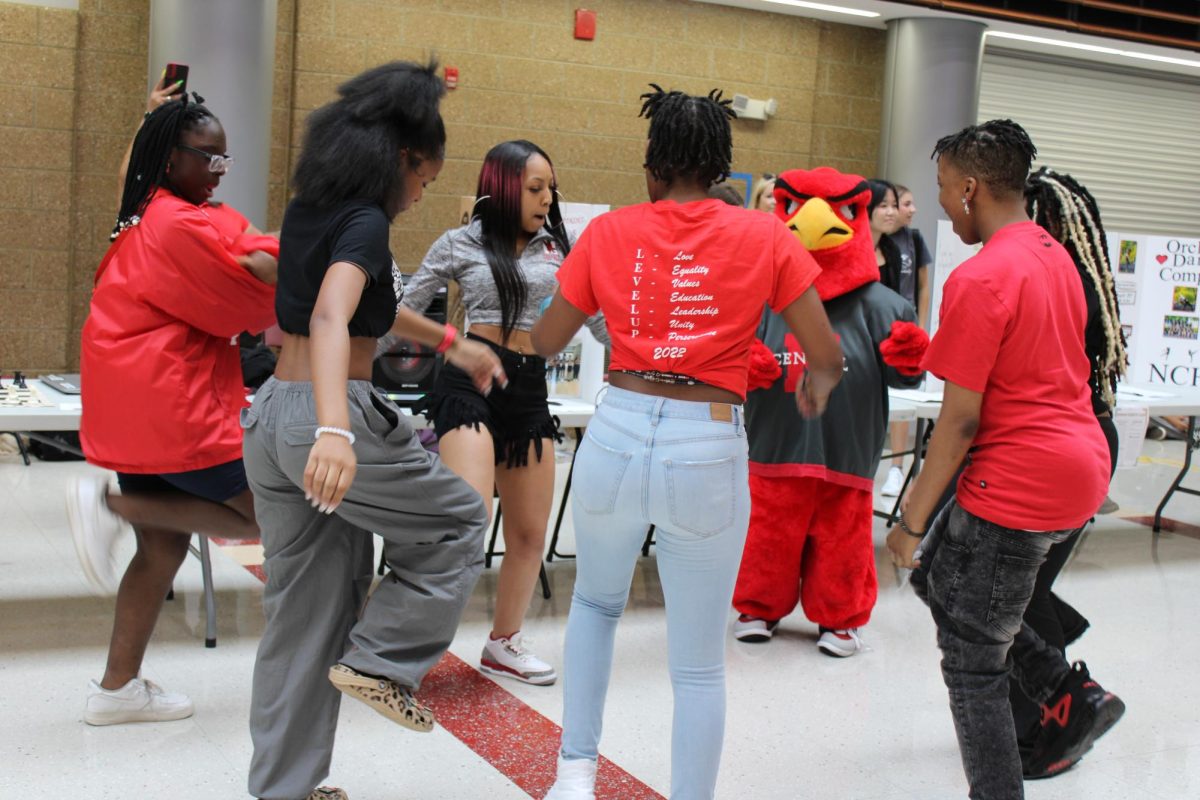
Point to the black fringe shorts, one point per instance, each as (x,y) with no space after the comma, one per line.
(515,415)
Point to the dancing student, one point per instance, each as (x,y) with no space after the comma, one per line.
(330,460)
(912,283)
(762,196)
(682,281)
(504,261)
(1069,213)
(1010,349)
(178,281)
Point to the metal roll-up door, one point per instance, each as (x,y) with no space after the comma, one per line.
(1132,138)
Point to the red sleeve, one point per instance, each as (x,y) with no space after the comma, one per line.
(795,269)
(971,326)
(197,280)
(229,220)
(575,274)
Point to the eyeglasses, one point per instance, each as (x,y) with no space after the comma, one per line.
(217,164)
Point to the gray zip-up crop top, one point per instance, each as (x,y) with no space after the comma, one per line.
(458,255)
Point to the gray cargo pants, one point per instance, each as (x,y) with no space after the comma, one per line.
(319,569)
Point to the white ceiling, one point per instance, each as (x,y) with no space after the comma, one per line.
(888,11)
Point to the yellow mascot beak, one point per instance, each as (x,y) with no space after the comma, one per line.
(818,227)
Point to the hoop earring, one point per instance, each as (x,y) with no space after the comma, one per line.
(966,207)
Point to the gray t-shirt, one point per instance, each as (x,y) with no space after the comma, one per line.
(458,255)
(914,254)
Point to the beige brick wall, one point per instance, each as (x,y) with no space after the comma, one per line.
(523,75)
(72,88)
(37,101)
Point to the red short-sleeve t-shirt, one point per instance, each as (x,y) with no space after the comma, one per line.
(683,286)
(1011,327)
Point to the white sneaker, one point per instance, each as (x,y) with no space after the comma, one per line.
(840,643)
(895,480)
(94,529)
(139,700)
(753,629)
(576,780)
(511,659)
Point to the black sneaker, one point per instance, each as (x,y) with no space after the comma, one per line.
(1077,715)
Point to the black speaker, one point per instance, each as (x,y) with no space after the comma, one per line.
(407,371)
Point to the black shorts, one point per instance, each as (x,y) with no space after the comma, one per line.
(220,483)
(515,415)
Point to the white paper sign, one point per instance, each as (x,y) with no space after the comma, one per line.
(1157,280)
(1131,421)
(950,253)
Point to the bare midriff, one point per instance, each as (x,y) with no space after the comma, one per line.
(295,358)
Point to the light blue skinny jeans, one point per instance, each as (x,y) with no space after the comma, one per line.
(649,460)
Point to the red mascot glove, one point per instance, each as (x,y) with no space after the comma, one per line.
(905,347)
(764,369)
(247,243)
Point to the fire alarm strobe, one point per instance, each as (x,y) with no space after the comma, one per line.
(585,24)
(451,77)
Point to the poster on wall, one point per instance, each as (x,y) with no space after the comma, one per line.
(1157,279)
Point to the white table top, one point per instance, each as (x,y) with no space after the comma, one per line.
(65,411)
(62,415)
(927,405)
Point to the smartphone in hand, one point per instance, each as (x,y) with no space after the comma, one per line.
(176,73)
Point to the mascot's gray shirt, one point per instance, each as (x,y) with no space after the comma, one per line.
(843,445)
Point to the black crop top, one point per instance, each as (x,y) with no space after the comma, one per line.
(314,238)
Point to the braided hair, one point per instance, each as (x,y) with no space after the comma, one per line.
(690,136)
(1062,206)
(999,152)
(151,151)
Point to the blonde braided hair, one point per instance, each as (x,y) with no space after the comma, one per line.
(1068,211)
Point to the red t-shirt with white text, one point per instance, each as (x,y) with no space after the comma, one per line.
(683,286)
(1011,327)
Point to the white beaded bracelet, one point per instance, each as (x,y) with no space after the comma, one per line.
(345,434)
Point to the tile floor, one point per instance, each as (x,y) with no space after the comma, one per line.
(800,725)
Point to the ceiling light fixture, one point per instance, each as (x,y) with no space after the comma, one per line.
(854,12)
(1186,62)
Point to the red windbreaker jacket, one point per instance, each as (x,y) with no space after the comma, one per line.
(161,373)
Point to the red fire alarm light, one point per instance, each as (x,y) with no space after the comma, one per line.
(451,77)
(585,24)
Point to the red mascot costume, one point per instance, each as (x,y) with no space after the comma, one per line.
(812,481)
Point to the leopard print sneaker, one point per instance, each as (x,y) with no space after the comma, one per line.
(389,698)
(327,793)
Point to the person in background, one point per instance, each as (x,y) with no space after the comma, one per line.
(1010,349)
(1069,213)
(726,193)
(504,261)
(331,461)
(682,281)
(912,283)
(762,196)
(180,278)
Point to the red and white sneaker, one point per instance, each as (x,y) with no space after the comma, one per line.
(841,643)
(510,658)
(754,630)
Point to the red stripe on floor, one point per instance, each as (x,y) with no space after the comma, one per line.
(508,734)
(1169,525)
(505,732)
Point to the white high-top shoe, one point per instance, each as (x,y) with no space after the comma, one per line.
(576,780)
